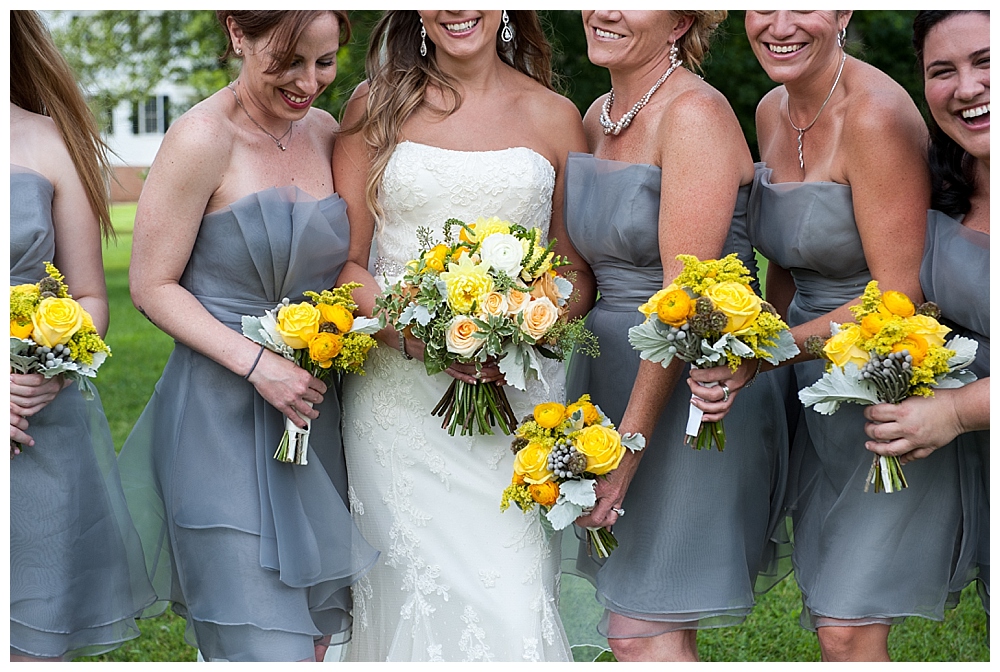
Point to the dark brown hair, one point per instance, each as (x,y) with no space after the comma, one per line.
(284,27)
(42,82)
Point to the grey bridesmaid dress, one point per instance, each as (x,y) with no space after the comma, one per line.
(258,555)
(865,557)
(702,528)
(955,274)
(77,579)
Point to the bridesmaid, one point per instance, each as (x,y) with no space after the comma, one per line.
(670,173)
(239,211)
(76,567)
(953,48)
(840,201)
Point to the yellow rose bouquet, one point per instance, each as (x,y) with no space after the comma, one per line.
(893,350)
(710,315)
(52,334)
(489,292)
(323,336)
(559,451)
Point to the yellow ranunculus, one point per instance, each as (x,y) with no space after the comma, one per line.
(871,323)
(298,323)
(483,227)
(436,257)
(55,321)
(602,447)
(532,464)
(550,414)
(842,347)
(926,326)
(590,414)
(467,283)
(916,345)
(337,315)
(545,494)
(674,307)
(20,329)
(738,302)
(323,347)
(897,303)
(649,307)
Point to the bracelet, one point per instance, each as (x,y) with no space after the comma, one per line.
(259,353)
(760,362)
(402,346)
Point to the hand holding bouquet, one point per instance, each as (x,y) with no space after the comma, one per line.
(558,454)
(52,334)
(893,350)
(489,292)
(709,315)
(322,336)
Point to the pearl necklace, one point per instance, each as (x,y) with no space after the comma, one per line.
(277,141)
(611,128)
(802,131)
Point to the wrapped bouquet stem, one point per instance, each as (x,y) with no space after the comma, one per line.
(294,444)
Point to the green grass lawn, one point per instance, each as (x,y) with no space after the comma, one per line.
(771,633)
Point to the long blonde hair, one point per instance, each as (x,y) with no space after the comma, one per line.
(42,82)
(398,79)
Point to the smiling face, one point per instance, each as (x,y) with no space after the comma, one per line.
(957,80)
(288,95)
(461,34)
(621,39)
(792,45)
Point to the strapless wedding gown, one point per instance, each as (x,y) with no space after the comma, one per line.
(457,580)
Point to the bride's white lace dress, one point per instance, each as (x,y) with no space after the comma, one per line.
(457,580)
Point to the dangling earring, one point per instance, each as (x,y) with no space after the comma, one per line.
(507,34)
(842,37)
(675,60)
(423,38)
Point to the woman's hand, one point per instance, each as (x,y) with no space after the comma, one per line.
(31,392)
(289,388)
(715,401)
(18,432)
(610,491)
(913,429)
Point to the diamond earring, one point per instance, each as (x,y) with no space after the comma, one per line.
(423,38)
(507,34)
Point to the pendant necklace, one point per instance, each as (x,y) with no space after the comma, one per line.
(277,141)
(611,128)
(802,131)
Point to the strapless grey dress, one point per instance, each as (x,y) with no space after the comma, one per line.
(955,274)
(697,536)
(866,557)
(77,579)
(258,555)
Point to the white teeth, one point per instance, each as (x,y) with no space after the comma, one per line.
(778,49)
(607,34)
(459,27)
(296,99)
(976,112)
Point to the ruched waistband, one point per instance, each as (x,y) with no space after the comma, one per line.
(816,295)
(623,289)
(230,311)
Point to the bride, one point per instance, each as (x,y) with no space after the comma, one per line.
(457,119)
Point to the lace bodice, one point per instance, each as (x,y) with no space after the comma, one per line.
(425,186)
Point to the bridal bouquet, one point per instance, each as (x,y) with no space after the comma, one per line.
(709,315)
(892,351)
(322,336)
(489,291)
(52,334)
(558,453)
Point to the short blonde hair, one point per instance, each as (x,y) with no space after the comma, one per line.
(693,45)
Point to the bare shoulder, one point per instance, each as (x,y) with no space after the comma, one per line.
(202,138)
(768,111)
(881,111)
(592,121)
(36,143)
(697,105)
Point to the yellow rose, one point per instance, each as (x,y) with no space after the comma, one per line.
(545,286)
(516,301)
(20,329)
(539,316)
(649,307)
(435,257)
(467,283)
(337,315)
(602,447)
(494,304)
(590,414)
(674,307)
(737,302)
(545,494)
(298,323)
(843,347)
(532,464)
(926,326)
(897,303)
(550,414)
(916,345)
(323,347)
(55,321)
(460,336)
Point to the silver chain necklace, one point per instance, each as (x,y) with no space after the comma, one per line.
(802,131)
(611,128)
(277,141)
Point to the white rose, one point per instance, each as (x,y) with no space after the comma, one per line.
(539,316)
(502,252)
(460,336)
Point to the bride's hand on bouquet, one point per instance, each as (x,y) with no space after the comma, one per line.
(716,400)
(610,491)
(289,388)
(488,372)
